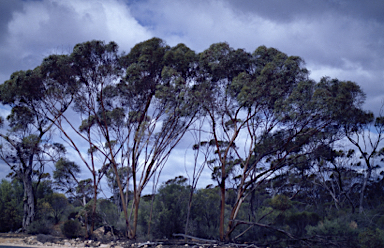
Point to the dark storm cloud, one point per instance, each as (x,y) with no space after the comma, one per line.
(6,10)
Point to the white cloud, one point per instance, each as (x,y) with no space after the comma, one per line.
(53,26)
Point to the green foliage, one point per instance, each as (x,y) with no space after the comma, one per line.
(65,174)
(299,221)
(71,229)
(339,230)
(371,238)
(108,212)
(44,210)
(43,190)
(41,226)
(281,202)
(289,122)
(11,205)
(205,212)
(59,204)
(171,207)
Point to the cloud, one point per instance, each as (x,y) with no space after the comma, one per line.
(327,36)
(6,10)
(288,11)
(41,28)
(340,39)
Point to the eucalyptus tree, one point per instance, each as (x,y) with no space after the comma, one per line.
(263,114)
(133,109)
(365,132)
(66,177)
(26,145)
(218,66)
(336,171)
(155,95)
(94,65)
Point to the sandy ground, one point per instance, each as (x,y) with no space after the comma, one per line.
(12,239)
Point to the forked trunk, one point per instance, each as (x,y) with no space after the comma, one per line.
(124,199)
(235,210)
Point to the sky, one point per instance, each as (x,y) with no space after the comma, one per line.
(341,39)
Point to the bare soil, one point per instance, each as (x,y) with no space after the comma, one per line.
(20,239)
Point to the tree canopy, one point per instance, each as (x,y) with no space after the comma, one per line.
(263,125)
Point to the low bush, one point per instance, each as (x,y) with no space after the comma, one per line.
(340,231)
(371,238)
(41,226)
(71,229)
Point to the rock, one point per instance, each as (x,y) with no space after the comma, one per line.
(45,238)
(99,233)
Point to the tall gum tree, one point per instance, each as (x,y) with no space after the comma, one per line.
(26,145)
(133,110)
(94,66)
(218,65)
(266,103)
(156,98)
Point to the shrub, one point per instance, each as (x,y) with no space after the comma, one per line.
(300,220)
(71,229)
(281,202)
(340,231)
(371,238)
(41,226)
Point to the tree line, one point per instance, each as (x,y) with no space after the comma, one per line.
(258,122)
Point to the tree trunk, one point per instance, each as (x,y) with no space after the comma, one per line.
(188,211)
(366,178)
(86,218)
(235,210)
(222,209)
(94,205)
(150,214)
(124,200)
(29,200)
(136,214)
